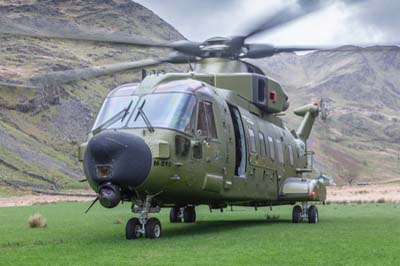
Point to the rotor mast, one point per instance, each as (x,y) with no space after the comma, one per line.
(220,65)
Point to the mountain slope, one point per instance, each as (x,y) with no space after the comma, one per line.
(41,129)
(361,139)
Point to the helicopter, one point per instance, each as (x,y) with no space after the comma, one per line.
(212,136)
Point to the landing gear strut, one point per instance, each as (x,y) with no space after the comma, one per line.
(299,213)
(143,226)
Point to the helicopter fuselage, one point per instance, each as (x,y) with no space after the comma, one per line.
(198,144)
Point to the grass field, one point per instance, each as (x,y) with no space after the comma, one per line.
(358,234)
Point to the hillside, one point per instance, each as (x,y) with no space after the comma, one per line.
(361,138)
(40,129)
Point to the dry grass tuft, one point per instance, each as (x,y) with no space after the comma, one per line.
(37,221)
(381,200)
(272,217)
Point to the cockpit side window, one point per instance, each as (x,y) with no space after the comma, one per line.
(206,121)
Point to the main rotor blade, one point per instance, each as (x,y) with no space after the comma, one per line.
(46,29)
(62,77)
(265,50)
(284,16)
(16,85)
(363,48)
(43,28)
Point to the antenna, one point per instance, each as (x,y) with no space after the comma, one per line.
(144,73)
(190,64)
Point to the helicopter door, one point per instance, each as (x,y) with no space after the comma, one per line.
(207,131)
(240,142)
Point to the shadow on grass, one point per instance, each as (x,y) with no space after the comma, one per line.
(208,227)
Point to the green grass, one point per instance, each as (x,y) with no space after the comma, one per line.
(346,235)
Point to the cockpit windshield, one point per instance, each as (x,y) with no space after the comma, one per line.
(166,110)
(174,110)
(111,107)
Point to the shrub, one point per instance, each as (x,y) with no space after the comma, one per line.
(37,221)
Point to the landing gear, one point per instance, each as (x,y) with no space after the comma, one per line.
(313,214)
(299,213)
(133,229)
(153,228)
(175,215)
(296,214)
(189,214)
(144,226)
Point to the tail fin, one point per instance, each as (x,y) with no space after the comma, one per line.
(309,112)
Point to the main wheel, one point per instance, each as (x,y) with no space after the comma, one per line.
(296,214)
(189,214)
(313,214)
(174,215)
(132,229)
(153,228)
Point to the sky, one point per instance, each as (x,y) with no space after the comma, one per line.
(343,22)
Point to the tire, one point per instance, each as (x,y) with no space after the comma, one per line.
(174,215)
(153,228)
(296,214)
(189,214)
(132,229)
(313,214)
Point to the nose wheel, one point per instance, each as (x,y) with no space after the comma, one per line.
(153,228)
(133,229)
(143,226)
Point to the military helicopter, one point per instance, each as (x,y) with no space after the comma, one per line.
(212,136)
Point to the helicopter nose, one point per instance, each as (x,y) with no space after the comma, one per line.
(119,158)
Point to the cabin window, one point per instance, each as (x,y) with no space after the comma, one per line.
(291,158)
(271,148)
(261,90)
(240,142)
(252,140)
(279,146)
(206,121)
(261,139)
